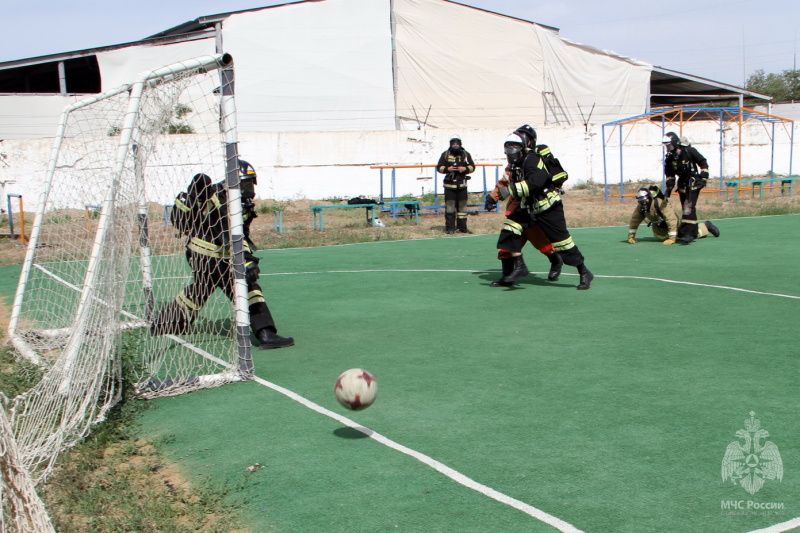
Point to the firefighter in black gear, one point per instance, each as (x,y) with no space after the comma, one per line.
(533,234)
(201,214)
(540,198)
(685,163)
(456,163)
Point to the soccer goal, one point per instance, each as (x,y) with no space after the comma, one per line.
(103,257)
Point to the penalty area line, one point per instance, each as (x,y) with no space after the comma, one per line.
(599,276)
(711,286)
(429,461)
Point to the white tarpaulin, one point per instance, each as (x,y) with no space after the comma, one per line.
(122,66)
(584,80)
(313,66)
(464,67)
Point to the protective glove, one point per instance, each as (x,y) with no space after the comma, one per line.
(700,183)
(632,239)
(490,204)
(670,241)
(251,272)
(670,187)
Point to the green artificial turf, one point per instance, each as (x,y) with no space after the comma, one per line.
(610,409)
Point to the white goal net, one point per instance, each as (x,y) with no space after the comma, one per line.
(104,260)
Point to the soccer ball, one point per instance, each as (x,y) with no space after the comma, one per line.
(356,389)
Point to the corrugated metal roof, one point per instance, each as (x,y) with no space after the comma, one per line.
(670,88)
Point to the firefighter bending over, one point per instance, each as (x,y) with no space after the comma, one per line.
(201,213)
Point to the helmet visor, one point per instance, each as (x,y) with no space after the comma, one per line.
(644,199)
(514,153)
(248,188)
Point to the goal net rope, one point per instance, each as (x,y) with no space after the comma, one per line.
(103,260)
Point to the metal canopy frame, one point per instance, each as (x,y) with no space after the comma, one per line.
(680,116)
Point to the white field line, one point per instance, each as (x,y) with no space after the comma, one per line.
(77,289)
(140,321)
(458,477)
(440,467)
(780,528)
(451,237)
(663,280)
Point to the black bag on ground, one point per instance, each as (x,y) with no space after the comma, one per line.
(360,200)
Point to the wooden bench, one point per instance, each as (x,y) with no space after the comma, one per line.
(759,184)
(319,221)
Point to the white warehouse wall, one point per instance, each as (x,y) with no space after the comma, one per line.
(337,164)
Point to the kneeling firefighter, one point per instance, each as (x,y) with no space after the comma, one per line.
(654,208)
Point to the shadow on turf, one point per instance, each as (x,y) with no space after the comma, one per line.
(646,240)
(531,279)
(351,433)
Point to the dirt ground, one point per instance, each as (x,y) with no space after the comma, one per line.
(584,207)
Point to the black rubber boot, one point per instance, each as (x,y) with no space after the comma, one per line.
(712,229)
(271,340)
(450,223)
(586,278)
(555,267)
(519,270)
(462,225)
(687,233)
(508,266)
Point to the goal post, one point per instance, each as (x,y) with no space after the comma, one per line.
(91,286)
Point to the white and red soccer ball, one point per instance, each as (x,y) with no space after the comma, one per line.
(356,389)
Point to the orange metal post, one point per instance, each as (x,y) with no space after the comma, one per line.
(21,222)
